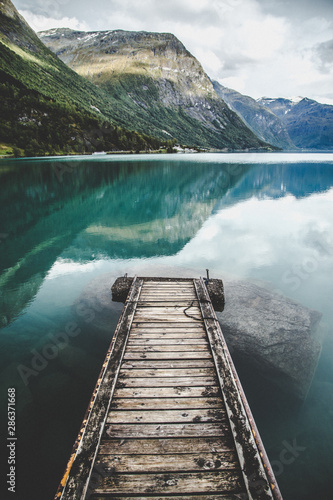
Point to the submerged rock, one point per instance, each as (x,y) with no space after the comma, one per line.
(272,333)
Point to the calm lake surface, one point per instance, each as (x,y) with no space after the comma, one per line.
(69,224)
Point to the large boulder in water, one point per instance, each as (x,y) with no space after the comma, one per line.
(273,333)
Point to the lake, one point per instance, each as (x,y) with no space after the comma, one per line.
(69,224)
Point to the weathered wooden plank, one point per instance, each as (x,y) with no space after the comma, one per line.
(167,392)
(160,328)
(166,416)
(167,302)
(173,319)
(165,403)
(165,446)
(163,285)
(189,324)
(170,295)
(166,309)
(168,289)
(167,355)
(206,496)
(168,281)
(169,292)
(175,310)
(177,305)
(167,381)
(166,372)
(172,341)
(168,298)
(172,284)
(160,287)
(168,335)
(189,293)
(166,348)
(126,431)
(165,363)
(166,286)
(173,483)
(169,317)
(167,463)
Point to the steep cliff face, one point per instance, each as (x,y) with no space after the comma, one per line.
(15,29)
(156,84)
(260,119)
(99,56)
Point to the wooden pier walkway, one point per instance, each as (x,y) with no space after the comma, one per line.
(168,418)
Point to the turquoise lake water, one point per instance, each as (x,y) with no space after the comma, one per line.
(68,225)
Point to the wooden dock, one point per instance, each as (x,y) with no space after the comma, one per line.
(168,418)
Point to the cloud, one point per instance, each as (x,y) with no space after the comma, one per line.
(324,52)
(40,22)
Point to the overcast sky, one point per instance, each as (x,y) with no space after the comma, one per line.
(273,48)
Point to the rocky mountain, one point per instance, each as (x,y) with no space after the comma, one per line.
(298,123)
(308,122)
(266,124)
(155,84)
(45,107)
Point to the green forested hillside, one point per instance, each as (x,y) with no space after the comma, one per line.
(47,108)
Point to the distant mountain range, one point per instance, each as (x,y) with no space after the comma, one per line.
(298,123)
(308,123)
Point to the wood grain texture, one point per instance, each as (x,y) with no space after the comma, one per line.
(161,329)
(165,403)
(167,335)
(207,496)
(166,446)
(166,416)
(169,463)
(172,483)
(167,392)
(171,341)
(125,431)
(159,355)
(167,363)
(167,347)
(166,372)
(163,323)
(167,382)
